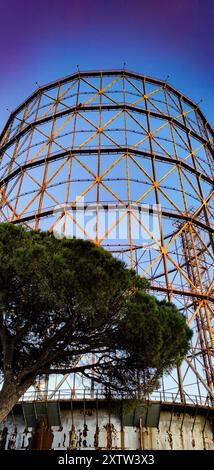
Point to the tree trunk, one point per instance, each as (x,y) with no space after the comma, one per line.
(9,396)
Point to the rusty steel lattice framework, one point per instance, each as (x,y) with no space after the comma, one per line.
(134,144)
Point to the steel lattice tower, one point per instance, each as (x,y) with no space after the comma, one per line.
(133,145)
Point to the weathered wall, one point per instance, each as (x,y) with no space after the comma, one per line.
(91,429)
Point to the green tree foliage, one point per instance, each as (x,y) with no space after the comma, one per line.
(60,299)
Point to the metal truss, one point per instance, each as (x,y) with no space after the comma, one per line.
(117,142)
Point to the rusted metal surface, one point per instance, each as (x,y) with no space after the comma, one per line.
(42,437)
(99,430)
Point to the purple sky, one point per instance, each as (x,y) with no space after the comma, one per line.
(45,39)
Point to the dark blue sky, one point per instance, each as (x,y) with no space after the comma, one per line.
(45,39)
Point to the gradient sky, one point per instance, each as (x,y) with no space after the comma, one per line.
(43,40)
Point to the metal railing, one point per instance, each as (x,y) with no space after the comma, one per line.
(100,394)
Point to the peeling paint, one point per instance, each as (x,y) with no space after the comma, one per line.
(12,440)
(79,441)
(100,432)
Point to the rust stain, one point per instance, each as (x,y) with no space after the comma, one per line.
(85,433)
(96,437)
(42,437)
(110,430)
(193,442)
(72,438)
(109,435)
(85,430)
(3,437)
(23,442)
(182,438)
(29,443)
(80,438)
(84,443)
(170,439)
(151,438)
(204,441)
(86,412)
(122,433)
